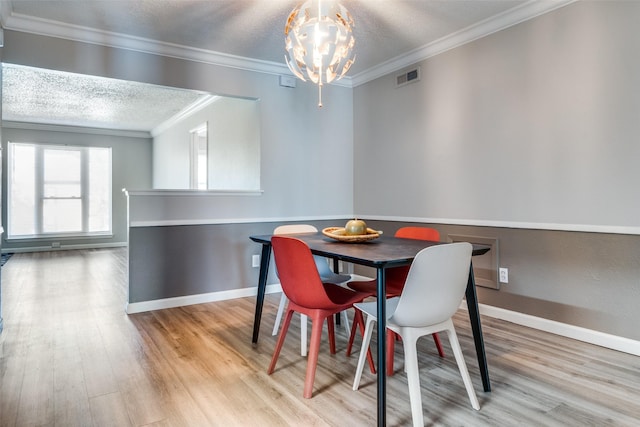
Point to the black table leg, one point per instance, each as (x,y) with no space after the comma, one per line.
(336,266)
(382,349)
(262,286)
(336,269)
(474,317)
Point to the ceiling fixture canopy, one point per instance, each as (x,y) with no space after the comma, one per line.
(319,42)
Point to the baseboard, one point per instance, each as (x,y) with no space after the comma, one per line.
(64,247)
(602,339)
(160,304)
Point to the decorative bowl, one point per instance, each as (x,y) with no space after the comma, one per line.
(339,234)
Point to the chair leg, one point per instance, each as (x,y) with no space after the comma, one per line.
(303,325)
(303,335)
(345,321)
(436,339)
(413,378)
(462,366)
(332,335)
(359,322)
(283,334)
(312,360)
(276,325)
(366,340)
(392,337)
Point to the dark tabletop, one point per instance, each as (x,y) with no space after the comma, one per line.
(384,251)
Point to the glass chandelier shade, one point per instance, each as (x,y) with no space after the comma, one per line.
(319,42)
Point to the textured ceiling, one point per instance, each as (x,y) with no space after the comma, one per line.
(58,98)
(387,32)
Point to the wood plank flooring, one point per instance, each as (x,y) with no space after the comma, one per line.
(70,356)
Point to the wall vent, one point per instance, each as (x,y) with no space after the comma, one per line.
(407,77)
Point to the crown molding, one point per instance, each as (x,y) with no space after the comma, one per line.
(191,109)
(51,127)
(45,27)
(509,18)
(28,24)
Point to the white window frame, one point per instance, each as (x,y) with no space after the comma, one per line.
(198,151)
(39,192)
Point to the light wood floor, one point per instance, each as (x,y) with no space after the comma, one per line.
(70,356)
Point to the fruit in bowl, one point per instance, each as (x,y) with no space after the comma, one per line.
(355,227)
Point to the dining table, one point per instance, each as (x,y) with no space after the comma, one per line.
(381,253)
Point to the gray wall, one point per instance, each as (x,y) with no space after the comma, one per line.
(174,261)
(131,166)
(530,128)
(590,280)
(233,147)
(534,125)
(306,153)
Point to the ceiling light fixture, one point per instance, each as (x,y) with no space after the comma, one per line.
(319,42)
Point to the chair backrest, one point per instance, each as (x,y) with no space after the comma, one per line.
(396,276)
(298,273)
(321,263)
(435,285)
(419,233)
(295,228)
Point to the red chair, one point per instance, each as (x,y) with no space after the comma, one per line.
(395,280)
(309,296)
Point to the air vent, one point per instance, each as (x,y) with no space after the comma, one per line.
(407,77)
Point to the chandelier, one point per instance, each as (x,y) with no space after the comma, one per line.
(319,42)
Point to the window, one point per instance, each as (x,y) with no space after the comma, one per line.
(199,157)
(58,191)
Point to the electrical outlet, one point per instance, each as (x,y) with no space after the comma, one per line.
(255,261)
(504,275)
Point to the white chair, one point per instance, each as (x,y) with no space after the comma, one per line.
(326,275)
(433,292)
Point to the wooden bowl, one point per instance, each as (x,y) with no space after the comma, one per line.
(339,234)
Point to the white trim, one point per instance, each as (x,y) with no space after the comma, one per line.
(65,247)
(75,129)
(45,27)
(587,228)
(217,221)
(161,304)
(29,24)
(509,18)
(191,193)
(590,336)
(602,339)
